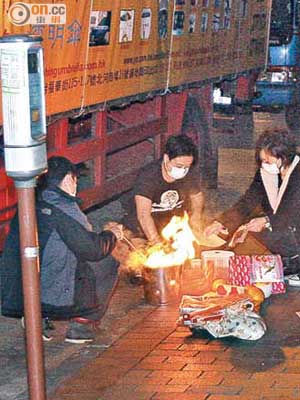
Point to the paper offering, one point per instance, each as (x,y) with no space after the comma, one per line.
(266,268)
(213,241)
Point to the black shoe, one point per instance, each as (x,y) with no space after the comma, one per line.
(48,324)
(79,333)
(45,326)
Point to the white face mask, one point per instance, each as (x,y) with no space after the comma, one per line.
(178,173)
(270,168)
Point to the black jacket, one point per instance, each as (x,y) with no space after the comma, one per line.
(285,236)
(66,248)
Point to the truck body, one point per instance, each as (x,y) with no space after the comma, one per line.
(119,77)
(279,85)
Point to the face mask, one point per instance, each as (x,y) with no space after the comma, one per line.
(178,173)
(270,168)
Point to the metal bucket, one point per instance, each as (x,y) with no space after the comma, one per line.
(162,285)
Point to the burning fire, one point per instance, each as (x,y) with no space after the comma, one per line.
(180,236)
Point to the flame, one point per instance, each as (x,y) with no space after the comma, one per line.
(180,236)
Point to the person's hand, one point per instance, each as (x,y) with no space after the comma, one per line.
(256,224)
(215,228)
(116,229)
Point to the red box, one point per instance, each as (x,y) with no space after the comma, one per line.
(243,271)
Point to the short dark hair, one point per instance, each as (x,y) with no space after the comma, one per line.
(181,145)
(58,168)
(279,143)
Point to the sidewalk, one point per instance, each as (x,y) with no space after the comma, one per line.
(140,353)
(157,360)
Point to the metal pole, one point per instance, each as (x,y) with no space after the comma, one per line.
(31,289)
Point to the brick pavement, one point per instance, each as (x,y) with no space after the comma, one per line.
(158,360)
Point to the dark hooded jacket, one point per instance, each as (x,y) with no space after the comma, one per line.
(68,246)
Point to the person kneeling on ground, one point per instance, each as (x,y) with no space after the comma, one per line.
(165,188)
(270,207)
(73,259)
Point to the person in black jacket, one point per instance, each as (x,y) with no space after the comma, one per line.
(77,274)
(270,207)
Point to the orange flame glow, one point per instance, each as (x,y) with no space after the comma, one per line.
(180,236)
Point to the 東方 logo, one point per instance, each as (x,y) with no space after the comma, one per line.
(19,14)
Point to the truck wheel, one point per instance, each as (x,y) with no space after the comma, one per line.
(292,116)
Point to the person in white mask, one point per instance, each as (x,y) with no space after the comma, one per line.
(78,273)
(165,188)
(269,209)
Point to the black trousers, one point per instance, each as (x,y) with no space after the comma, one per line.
(94,287)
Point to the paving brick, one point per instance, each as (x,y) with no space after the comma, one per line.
(204,380)
(207,346)
(71,390)
(190,360)
(292,352)
(174,353)
(182,381)
(229,397)
(277,379)
(146,335)
(290,369)
(120,393)
(136,374)
(125,353)
(135,344)
(77,396)
(94,380)
(176,374)
(162,388)
(287,384)
(148,380)
(179,396)
(214,366)
(173,339)
(156,359)
(113,362)
(262,391)
(161,366)
(170,346)
(180,333)
(236,376)
(219,389)
(273,396)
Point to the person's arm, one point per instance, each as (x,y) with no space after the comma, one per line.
(197,206)
(86,245)
(143,210)
(243,209)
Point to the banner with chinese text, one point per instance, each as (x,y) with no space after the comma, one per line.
(107,50)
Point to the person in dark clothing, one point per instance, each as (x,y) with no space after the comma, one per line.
(270,207)
(166,188)
(71,257)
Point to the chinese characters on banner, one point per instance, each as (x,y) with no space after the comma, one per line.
(116,51)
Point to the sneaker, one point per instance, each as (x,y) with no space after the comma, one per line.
(79,333)
(47,325)
(293,280)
